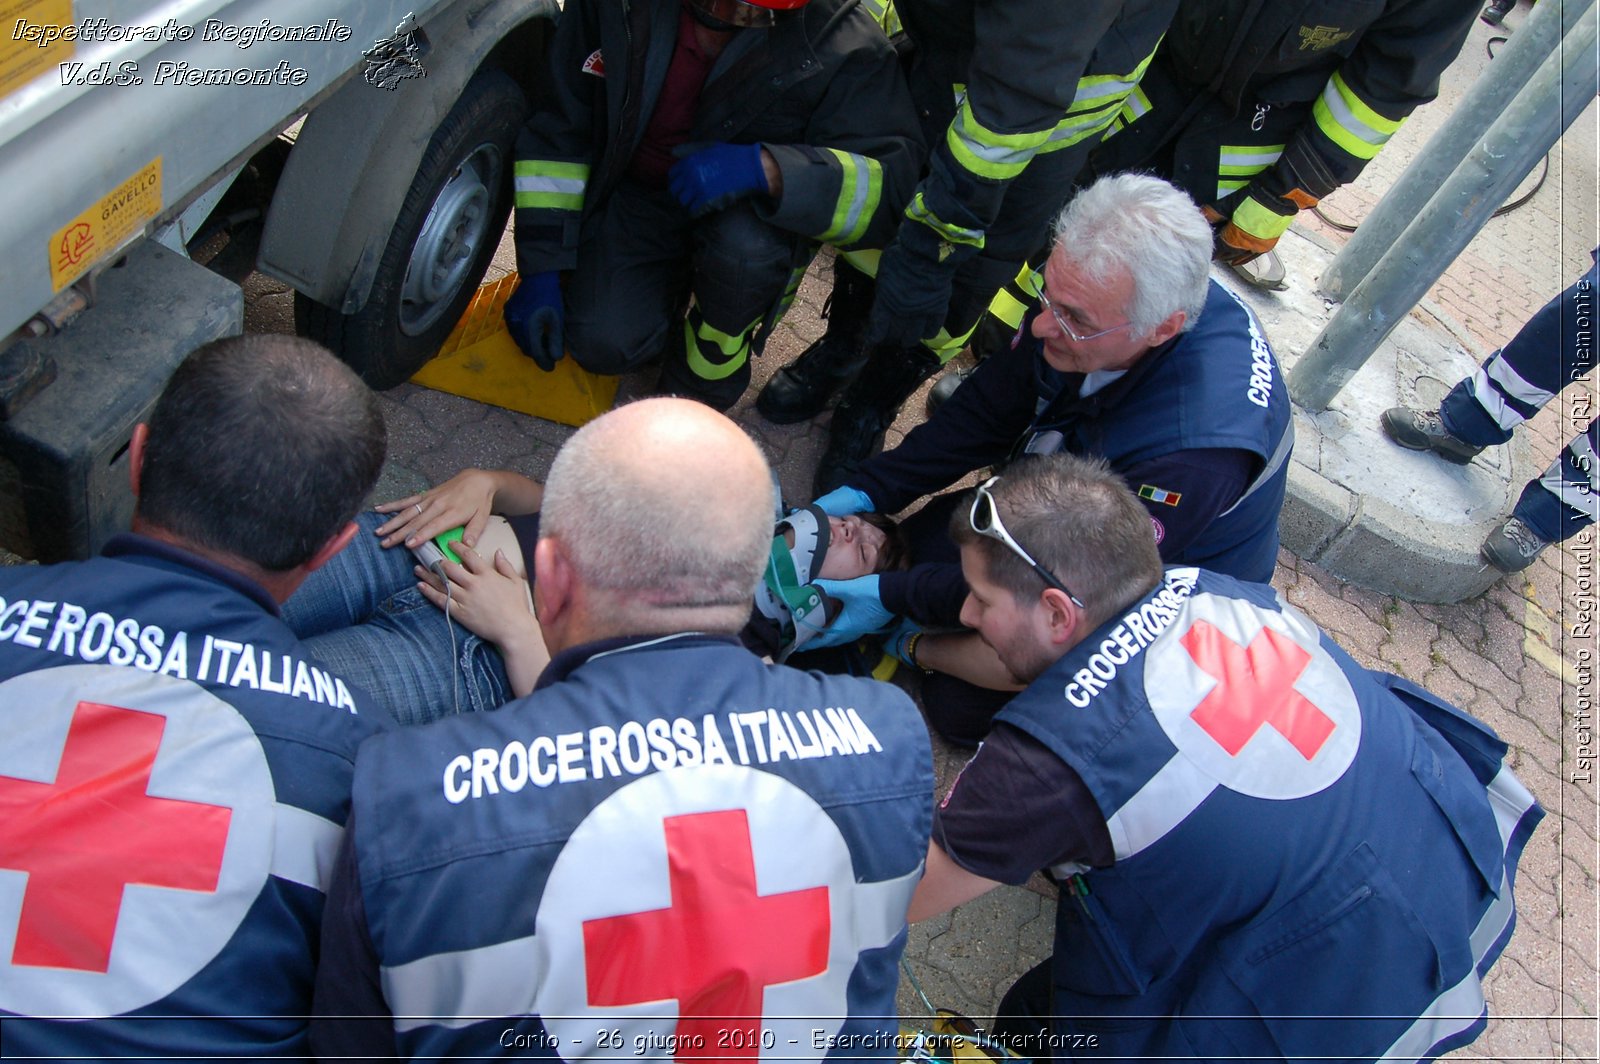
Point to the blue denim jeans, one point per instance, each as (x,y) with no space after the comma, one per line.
(362,616)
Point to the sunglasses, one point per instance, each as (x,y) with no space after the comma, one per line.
(985,520)
(1063,321)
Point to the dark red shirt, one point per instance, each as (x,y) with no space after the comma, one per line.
(673,118)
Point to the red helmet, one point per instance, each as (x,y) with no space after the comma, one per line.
(742,13)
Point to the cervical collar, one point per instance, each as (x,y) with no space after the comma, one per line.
(787,595)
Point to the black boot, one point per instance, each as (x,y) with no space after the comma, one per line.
(868,409)
(1497,11)
(801,390)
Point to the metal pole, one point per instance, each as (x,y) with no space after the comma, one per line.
(1529,46)
(1550,103)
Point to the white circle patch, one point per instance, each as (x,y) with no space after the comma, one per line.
(1251,699)
(136,827)
(717,890)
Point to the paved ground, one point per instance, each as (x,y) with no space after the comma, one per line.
(1520,656)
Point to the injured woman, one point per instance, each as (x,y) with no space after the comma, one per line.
(464,638)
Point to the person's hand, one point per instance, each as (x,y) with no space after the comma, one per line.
(488,598)
(1232,245)
(465,499)
(844,501)
(915,278)
(898,642)
(863,611)
(715,176)
(533,317)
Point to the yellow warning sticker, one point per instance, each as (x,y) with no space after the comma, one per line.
(101,229)
(31,39)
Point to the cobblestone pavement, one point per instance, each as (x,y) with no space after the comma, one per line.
(1520,656)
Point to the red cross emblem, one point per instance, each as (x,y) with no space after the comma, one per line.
(95,830)
(718,947)
(1255,686)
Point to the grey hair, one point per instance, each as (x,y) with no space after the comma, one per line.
(1141,225)
(658,538)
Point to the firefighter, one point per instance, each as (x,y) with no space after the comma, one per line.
(1012,96)
(699,148)
(1261,110)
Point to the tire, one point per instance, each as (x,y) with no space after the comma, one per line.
(443,238)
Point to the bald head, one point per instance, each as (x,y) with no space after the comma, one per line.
(664,506)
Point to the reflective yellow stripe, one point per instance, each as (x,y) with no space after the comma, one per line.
(884,14)
(735,350)
(1010,304)
(1237,163)
(1259,222)
(917,210)
(553,185)
(860,187)
(1097,90)
(988,154)
(1345,119)
(864,259)
(1135,107)
(944,347)
(1077,127)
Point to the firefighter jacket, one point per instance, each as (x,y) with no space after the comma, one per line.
(174,783)
(669,849)
(1311,860)
(1030,77)
(1277,105)
(821,90)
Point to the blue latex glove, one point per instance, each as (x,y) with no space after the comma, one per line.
(533,317)
(863,611)
(844,501)
(713,177)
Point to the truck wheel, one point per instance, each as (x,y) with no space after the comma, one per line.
(447,230)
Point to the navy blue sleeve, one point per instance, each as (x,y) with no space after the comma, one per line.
(1187,490)
(1016,808)
(350,1019)
(929,594)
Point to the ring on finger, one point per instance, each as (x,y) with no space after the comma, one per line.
(419,508)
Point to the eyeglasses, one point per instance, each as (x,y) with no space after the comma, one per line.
(1061,319)
(985,520)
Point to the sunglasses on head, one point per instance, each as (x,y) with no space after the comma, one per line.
(985,521)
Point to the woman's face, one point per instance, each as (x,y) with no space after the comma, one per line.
(853,549)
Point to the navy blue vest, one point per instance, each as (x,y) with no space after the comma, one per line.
(174,780)
(1216,386)
(1297,838)
(673,830)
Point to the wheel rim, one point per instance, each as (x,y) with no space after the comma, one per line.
(454,232)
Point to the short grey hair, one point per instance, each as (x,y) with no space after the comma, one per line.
(1149,229)
(666,540)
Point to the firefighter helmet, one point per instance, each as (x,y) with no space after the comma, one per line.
(741,13)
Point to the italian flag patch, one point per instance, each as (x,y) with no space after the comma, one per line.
(1161,495)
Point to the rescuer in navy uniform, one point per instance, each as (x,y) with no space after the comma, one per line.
(1130,352)
(1265,850)
(669,848)
(175,774)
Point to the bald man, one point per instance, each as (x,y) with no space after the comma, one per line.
(668,848)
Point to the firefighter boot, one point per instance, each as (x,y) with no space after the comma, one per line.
(801,390)
(868,409)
